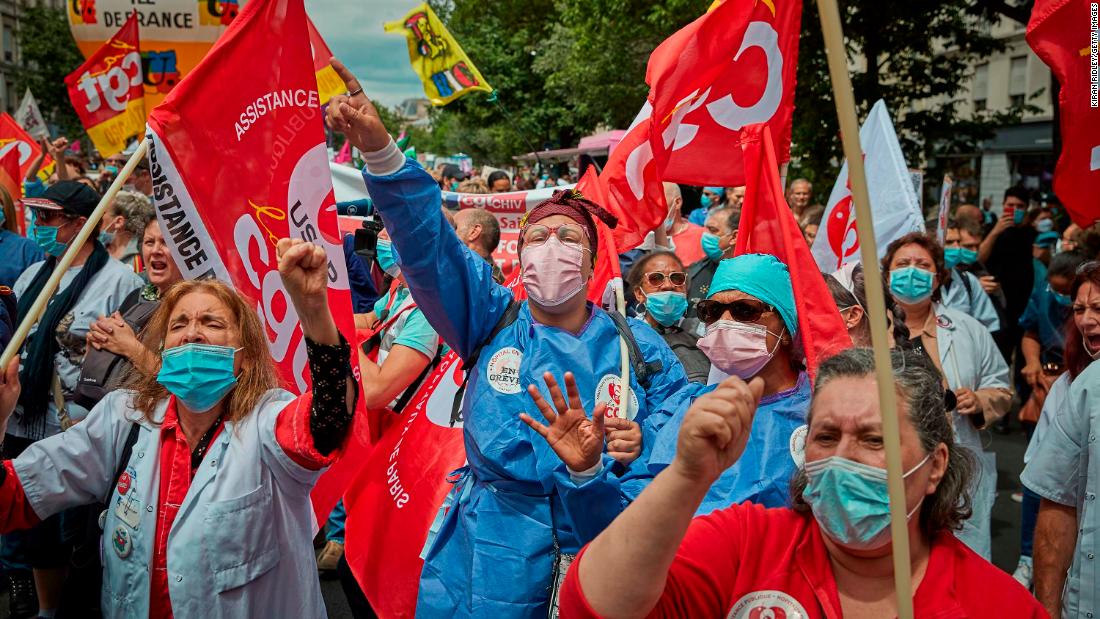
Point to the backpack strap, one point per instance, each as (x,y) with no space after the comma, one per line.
(510,314)
(414,387)
(127,451)
(966,283)
(642,371)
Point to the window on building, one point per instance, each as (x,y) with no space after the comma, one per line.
(1017,81)
(9,45)
(980,90)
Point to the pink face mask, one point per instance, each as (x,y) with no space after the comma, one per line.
(552,272)
(737,348)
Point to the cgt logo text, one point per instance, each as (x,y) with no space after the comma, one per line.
(272,101)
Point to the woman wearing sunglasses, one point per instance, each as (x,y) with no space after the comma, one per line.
(964,351)
(660,286)
(751,331)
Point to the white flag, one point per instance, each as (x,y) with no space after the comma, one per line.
(30,117)
(895,209)
(945,207)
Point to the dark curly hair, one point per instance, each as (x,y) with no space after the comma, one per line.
(930,245)
(921,394)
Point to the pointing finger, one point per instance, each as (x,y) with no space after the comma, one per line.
(347,76)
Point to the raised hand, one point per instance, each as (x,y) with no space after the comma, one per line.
(576,439)
(354,115)
(624,440)
(303,268)
(716,429)
(113,334)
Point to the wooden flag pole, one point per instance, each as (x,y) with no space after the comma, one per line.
(90,226)
(835,50)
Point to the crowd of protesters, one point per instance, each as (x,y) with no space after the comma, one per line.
(153,466)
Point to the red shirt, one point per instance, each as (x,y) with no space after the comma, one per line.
(744,561)
(689,242)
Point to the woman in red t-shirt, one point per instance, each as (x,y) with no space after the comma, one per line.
(829,556)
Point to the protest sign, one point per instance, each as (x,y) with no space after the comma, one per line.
(175,34)
(107,94)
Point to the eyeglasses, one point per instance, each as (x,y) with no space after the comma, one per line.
(742,310)
(50,217)
(569,234)
(656,278)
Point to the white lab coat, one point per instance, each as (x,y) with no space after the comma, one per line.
(969,358)
(241,544)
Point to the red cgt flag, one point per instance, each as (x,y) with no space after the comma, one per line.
(236,169)
(1059,34)
(768,227)
(329,83)
(14,138)
(108,91)
(732,67)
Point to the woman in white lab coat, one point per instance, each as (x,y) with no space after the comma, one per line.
(965,352)
(206,466)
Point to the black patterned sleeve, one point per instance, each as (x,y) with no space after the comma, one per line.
(332,411)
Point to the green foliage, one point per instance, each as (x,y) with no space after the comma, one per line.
(567,68)
(49,54)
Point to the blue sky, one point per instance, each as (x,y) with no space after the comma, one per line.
(353,31)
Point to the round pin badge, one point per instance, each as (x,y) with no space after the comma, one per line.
(125,481)
(122,542)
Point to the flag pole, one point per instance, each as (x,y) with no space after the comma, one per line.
(90,226)
(835,51)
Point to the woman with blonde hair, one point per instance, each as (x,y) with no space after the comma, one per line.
(206,465)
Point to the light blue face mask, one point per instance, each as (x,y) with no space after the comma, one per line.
(105,237)
(850,501)
(199,375)
(666,307)
(1061,299)
(954,256)
(705,201)
(387,257)
(46,237)
(711,245)
(911,285)
(1044,225)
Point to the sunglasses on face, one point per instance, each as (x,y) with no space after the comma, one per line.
(656,278)
(742,310)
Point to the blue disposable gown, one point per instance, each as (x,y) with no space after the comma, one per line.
(493,553)
(763,472)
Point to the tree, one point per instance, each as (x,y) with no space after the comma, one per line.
(49,54)
(921,78)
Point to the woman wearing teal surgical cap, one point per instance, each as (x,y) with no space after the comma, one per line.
(751,328)
(964,351)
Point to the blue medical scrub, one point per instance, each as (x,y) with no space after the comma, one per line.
(16,254)
(1047,318)
(763,472)
(493,553)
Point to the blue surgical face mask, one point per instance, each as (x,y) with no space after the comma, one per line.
(106,236)
(911,285)
(1044,225)
(1061,299)
(850,503)
(1018,216)
(705,201)
(711,245)
(46,237)
(666,307)
(387,257)
(199,375)
(953,256)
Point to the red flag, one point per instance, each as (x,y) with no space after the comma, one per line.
(607,268)
(108,91)
(729,68)
(398,492)
(768,227)
(14,138)
(236,169)
(329,83)
(10,179)
(1059,34)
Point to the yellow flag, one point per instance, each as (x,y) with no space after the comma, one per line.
(437,58)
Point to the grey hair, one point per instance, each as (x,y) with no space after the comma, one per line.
(136,209)
(920,389)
